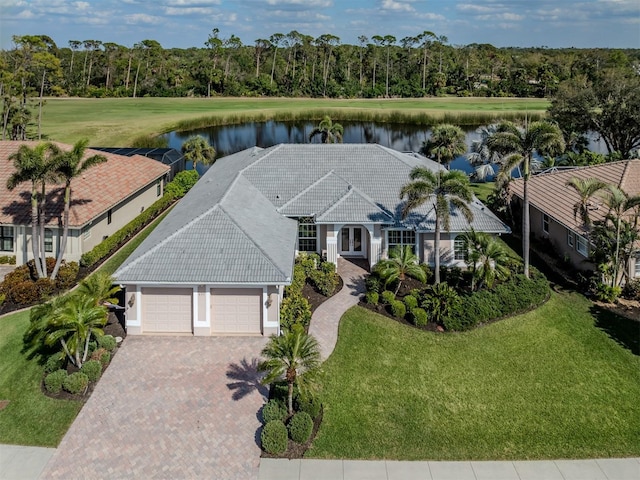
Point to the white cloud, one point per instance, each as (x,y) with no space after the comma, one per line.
(142,18)
(189,11)
(394,6)
(431,16)
(305,3)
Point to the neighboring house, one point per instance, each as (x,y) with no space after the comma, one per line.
(169,156)
(552,204)
(104,199)
(218,263)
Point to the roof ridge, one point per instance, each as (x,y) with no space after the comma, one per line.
(337,202)
(257,149)
(166,239)
(268,257)
(624,175)
(309,187)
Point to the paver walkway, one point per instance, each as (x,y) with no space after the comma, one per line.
(326,318)
(169,407)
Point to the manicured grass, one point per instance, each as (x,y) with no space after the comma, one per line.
(482,190)
(31,418)
(547,384)
(117,121)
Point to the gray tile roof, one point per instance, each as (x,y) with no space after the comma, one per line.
(232,226)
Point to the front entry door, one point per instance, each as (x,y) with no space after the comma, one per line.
(351,242)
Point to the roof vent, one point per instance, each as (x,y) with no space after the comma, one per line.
(349,187)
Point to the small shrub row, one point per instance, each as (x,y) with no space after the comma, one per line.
(7,260)
(21,286)
(108,342)
(388,297)
(102,355)
(76,383)
(92,369)
(397,309)
(295,309)
(274,437)
(325,280)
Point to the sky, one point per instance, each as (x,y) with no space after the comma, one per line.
(188,23)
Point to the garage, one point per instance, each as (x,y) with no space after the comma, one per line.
(236,311)
(167,310)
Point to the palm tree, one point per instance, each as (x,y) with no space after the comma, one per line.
(295,358)
(329,132)
(197,150)
(34,165)
(481,156)
(443,189)
(585,188)
(445,143)
(518,145)
(70,165)
(486,259)
(401,262)
(73,325)
(100,287)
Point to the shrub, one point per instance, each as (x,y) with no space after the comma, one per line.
(274,410)
(3,297)
(454,276)
(33,272)
(11,279)
(54,381)
(67,275)
(328,267)
(107,342)
(419,317)
(300,427)
(274,437)
(427,271)
(45,287)
(295,309)
(310,405)
(76,383)
(631,290)
(297,284)
(308,262)
(53,363)
(439,301)
(373,283)
(92,369)
(103,356)
(325,282)
(372,298)
(607,293)
(7,259)
(24,293)
(410,301)
(181,183)
(388,297)
(398,309)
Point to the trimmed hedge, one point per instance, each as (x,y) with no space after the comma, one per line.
(372,298)
(387,297)
(312,406)
(295,309)
(419,316)
(76,383)
(7,259)
(53,363)
(92,369)
(53,382)
(108,342)
(274,437)
(274,410)
(300,427)
(103,356)
(410,301)
(398,309)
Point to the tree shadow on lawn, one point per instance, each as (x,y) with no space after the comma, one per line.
(624,331)
(247,379)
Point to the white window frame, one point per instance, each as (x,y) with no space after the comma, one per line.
(546,220)
(406,237)
(86,232)
(307,221)
(571,239)
(637,272)
(582,245)
(48,240)
(459,250)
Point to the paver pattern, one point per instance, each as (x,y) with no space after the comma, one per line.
(326,318)
(170,407)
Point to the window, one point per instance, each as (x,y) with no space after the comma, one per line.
(86,232)
(109,213)
(48,240)
(6,239)
(637,274)
(158,188)
(307,235)
(459,249)
(582,246)
(570,239)
(402,238)
(545,223)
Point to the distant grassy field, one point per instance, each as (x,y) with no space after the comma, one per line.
(118,121)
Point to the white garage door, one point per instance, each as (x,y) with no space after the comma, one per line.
(236,310)
(166,310)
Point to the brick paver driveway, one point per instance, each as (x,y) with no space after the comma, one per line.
(169,407)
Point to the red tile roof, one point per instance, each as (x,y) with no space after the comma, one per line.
(549,194)
(96,191)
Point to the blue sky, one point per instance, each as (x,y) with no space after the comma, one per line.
(187,23)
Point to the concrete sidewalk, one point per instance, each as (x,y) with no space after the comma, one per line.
(601,469)
(23,463)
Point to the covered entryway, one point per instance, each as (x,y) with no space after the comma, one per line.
(167,310)
(352,241)
(236,311)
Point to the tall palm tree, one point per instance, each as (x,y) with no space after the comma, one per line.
(444,189)
(401,262)
(197,150)
(35,165)
(486,259)
(100,287)
(329,132)
(518,145)
(480,156)
(445,143)
(585,188)
(295,358)
(73,325)
(70,165)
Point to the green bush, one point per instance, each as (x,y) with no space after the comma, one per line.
(45,287)
(630,291)
(24,293)
(103,356)
(295,309)
(297,284)
(308,262)
(181,183)
(372,298)
(76,383)
(419,317)
(92,369)
(607,293)
(300,427)
(67,275)
(398,309)
(54,381)
(410,301)
(3,297)
(108,342)
(427,271)
(7,259)
(373,283)
(274,437)
(388,297)
(310,405)
(325,282)
(328,268)
(53,363)
(274,410)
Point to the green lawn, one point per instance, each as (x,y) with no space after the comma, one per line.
(482,190)
(548,384)
(117,121)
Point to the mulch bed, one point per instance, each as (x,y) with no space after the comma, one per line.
(297,450)
(315,298)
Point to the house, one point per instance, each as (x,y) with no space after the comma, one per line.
(552,205)
(104,199)
(218,263)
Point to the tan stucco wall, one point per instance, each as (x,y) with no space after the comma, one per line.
(446,249)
